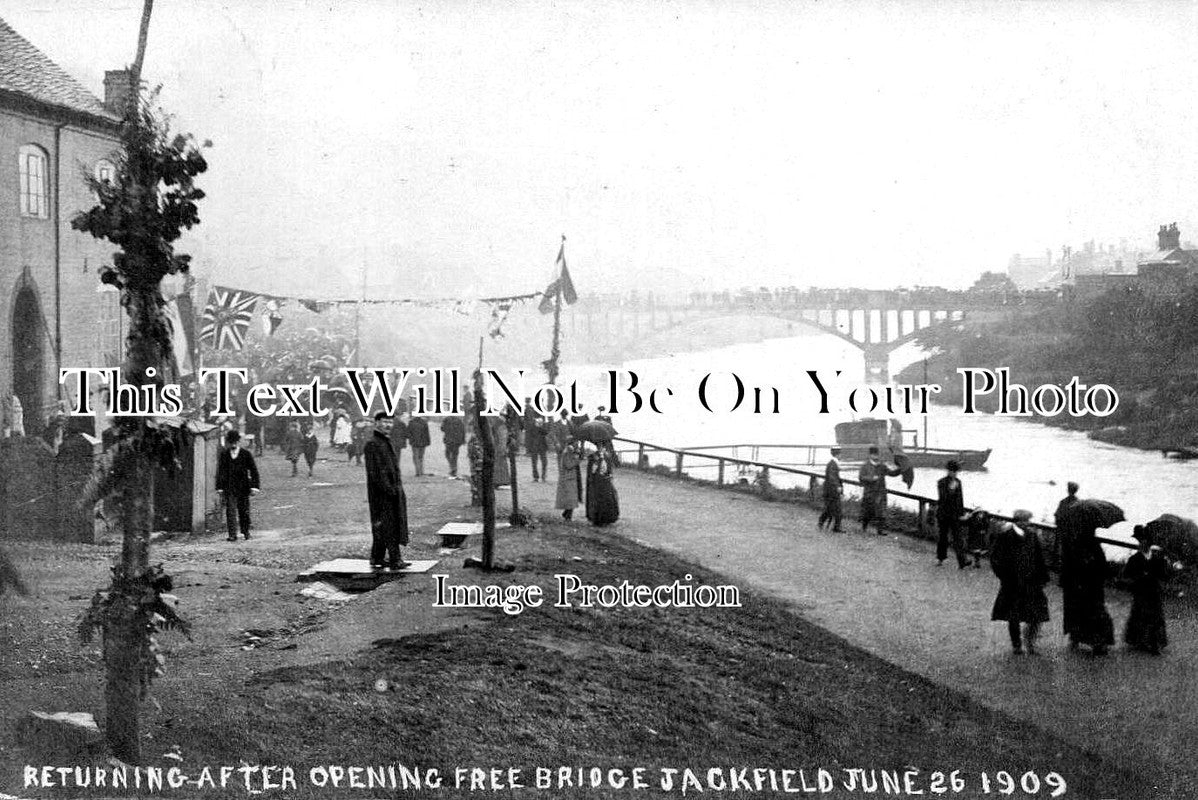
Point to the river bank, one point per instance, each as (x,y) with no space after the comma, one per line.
(618,688)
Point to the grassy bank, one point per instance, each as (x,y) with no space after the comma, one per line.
(613,688)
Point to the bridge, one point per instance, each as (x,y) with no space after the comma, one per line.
(877,322)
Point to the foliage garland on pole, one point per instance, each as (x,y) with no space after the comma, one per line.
(142,211)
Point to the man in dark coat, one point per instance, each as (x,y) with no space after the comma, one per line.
(384,491)
(419,438)
(872,476)
(1018,561)
(236,481)
(453,436)
(950,511)
(833,493)
(399,433)
(536,442)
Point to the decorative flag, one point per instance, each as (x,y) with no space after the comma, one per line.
(561,282)
(315,306)
(180,342)
(227,317)
(499,313)
(271,318)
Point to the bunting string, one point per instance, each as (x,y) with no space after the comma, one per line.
(229,312)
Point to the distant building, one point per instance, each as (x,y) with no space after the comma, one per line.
(1034,272)
(52,314)
(1168,269)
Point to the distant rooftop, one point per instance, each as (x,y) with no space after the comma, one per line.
(27,71)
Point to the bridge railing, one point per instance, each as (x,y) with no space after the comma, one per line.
(708,457)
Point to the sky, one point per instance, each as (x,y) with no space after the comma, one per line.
(443,149)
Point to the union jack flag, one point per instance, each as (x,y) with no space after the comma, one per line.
(227,317)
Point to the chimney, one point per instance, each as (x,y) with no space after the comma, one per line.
(117,91)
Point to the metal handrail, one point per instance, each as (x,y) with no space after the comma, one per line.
(924,502)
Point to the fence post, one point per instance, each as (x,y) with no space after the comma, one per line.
(720,473)
(640,456)
(678,463)
(922,522)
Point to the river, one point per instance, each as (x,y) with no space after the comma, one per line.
(1028,468)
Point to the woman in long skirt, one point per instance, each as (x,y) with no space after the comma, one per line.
(603,504)
(1018,560)
(1083,590)
(569,479)
(1147,569)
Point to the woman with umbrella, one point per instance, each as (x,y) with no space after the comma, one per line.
(603,504)
(1083,574)
(1147,569)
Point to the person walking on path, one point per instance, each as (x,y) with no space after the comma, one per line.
(569,479)
(978,535)
(1085,619)
(453,436)
(419,438)
(833,494)
(536,443)
(293,446)
(1146,570)
(872,476)
(950,513)
(1018,561)
(384,493)
(399,434)
(602,502)
(236,482)
(311,445)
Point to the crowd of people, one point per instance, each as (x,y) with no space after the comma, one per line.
(1017,558)
(582,447)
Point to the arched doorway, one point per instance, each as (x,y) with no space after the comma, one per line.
(28,358)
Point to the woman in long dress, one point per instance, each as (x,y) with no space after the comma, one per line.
(1147,569)
(343,431)
(603,504)
(569,479)
(1083,589)
(1018,561)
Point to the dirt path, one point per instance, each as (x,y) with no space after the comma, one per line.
(888,596)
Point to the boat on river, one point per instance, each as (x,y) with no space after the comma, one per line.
(855,438)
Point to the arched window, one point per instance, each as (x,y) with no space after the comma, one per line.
(35,194)
(105,171)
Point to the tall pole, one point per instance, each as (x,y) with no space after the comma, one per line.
(124,634)
(925,416)
(556,350)
(358,311)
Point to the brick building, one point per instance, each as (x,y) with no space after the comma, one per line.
(52,312)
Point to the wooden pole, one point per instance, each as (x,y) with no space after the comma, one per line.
(488,474)
(555,351)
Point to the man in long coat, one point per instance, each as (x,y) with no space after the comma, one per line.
(236,480)
(873,491)
(384,491)
(419,438)
(453,436)
(1018,562)
(950,513)
(833,493)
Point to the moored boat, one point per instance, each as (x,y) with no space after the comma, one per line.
(855,438)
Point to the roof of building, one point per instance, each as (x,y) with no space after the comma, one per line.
(27,71)
(1176,256)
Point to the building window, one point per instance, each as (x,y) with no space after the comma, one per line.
(105,171)
(109,326)
(35,200)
